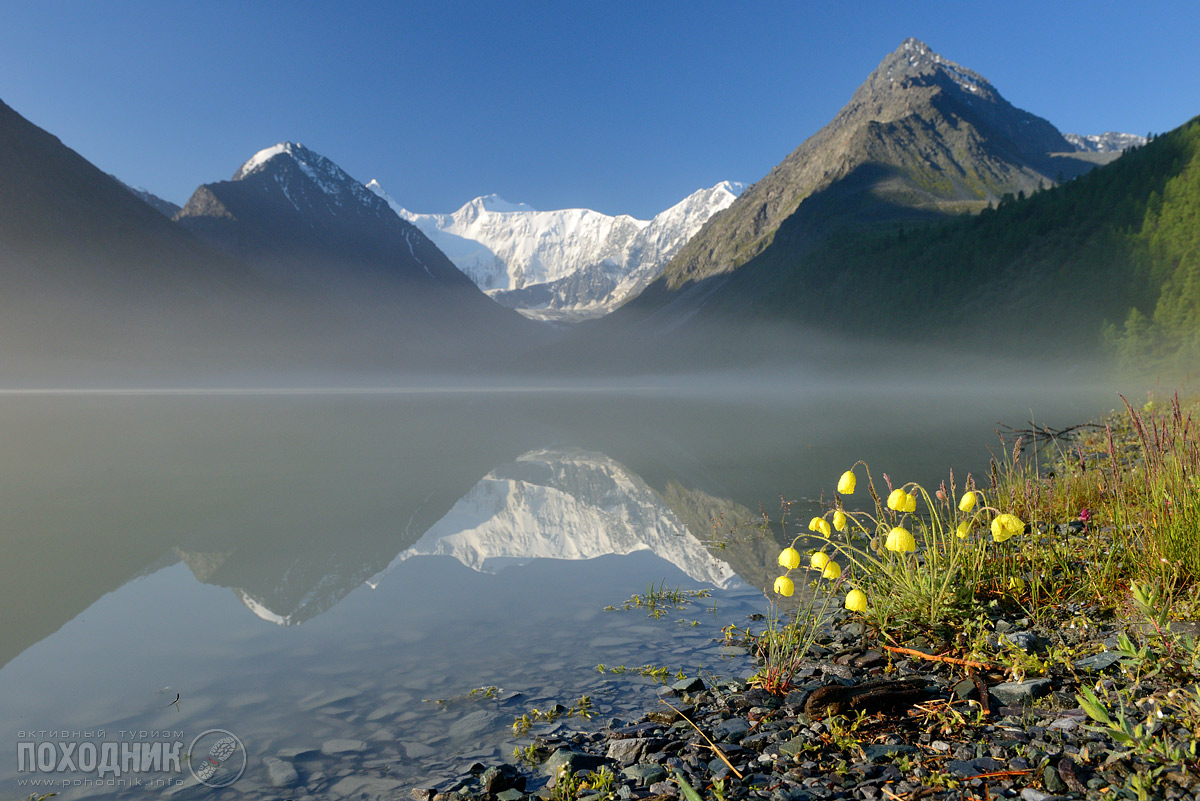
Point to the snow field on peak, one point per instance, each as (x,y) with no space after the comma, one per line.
(504,247)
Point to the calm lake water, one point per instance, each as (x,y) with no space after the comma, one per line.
(340,569)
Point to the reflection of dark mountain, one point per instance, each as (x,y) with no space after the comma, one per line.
(730,531)
(296,502)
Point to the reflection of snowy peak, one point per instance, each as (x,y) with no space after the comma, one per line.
(564,504)
(575,260)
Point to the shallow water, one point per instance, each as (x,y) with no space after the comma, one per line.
(301,568)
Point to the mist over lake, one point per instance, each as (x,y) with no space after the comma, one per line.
(311,564)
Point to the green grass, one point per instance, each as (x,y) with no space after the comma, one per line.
(1112,503)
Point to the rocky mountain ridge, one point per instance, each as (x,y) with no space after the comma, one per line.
(922,137)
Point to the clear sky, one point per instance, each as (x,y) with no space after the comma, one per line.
(624,107)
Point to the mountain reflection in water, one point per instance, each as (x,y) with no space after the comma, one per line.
(147,536)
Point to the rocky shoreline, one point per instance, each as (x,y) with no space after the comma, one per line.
(864,722)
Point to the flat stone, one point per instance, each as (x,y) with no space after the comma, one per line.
(471,724)
(688,685)
(574,760)
(793,746)
(964,689)
(1031,794)
(280,773)
(366,788)
(728,650)
(630,750)
(510,795)
(731,729)
(332,747)
(414,750)
(298,753)
(882,753)
(645,773)
(1100,662)
(1025,640)
(974,767)
(1021,693)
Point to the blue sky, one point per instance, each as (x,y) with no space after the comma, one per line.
(625,107)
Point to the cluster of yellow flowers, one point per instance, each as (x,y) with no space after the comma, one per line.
(899,539)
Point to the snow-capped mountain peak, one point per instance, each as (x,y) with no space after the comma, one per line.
(495,203)
(567,263)
(328,176)
(1108,142)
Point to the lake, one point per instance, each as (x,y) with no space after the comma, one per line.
(326,573)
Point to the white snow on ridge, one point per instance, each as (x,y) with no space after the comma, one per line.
(1108,142)
(505,246)
(333,181)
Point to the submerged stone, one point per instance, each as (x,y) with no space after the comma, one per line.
(280,773)
(334,747)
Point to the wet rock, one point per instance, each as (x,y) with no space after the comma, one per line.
(280,773)
(472,723)
(574,760)
(294,754)
(366,788)
(335,747)
(500,778)
(688,686)
(415,750)
(631,750)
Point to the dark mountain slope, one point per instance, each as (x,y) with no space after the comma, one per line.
(300,220)
(1111,251)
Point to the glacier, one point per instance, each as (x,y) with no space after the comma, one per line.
(566,264)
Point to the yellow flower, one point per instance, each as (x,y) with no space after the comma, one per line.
(839,520)
(789,558)
(967,503)
(1005,526)
(820,525)
(832,571)
(856,601)
(819,560)
(900,540)
(910,503)
(847,483)
(897,500)
(962,530)
(1016,584)
(784,586)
